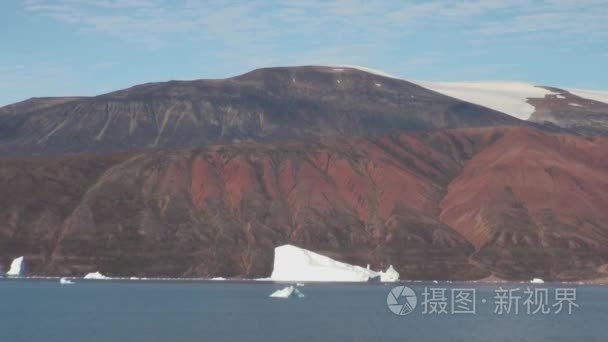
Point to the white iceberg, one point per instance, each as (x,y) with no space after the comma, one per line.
(95,275)
(294,264)
(17,268)
(65,281)
(288,292)
(218,279)
(537,281)
(390,275)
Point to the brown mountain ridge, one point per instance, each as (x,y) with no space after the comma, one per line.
(264,105)
(511,202)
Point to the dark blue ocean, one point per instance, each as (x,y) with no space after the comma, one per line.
(44,310)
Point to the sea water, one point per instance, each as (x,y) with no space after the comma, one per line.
(45,310)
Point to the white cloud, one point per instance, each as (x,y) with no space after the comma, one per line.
(156,22)
(237,36)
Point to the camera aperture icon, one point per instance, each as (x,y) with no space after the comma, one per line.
(401,300)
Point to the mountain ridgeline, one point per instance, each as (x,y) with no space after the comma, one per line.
(263,105)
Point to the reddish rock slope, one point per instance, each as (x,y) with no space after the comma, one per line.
(457,204)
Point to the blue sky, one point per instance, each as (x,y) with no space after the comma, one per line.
(88,47)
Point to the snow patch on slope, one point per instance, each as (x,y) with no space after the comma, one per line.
(364,69)
(294,264)
(507,97)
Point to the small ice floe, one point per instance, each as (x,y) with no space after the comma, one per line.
(218,278)
(65,281)
(537,281)
(289,292)
(95,275)
(435,282)
(17,268)
(300,284)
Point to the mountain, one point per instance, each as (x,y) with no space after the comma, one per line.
(581,111)
(261,106)
(204,178)
(512,202)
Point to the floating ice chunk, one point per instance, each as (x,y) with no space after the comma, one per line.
(218,278)
(288,292)
(95,275)
(17,268)
(390,275)
(263,279)
(300,284)
(65,281)
(537,281)
(294,264)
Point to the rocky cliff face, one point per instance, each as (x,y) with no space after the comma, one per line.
(263,105)
(455,204)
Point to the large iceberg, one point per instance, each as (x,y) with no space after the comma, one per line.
(294,264)
(17,268)
(288,292)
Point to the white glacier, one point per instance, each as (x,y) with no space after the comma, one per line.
(504,96)
(17,268)
(595,95)
(95,275)
(294,264)
(368,70)
(288,292)
(507,97)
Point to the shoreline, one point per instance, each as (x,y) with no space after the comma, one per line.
(484,281)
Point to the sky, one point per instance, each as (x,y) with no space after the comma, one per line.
(89,47)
